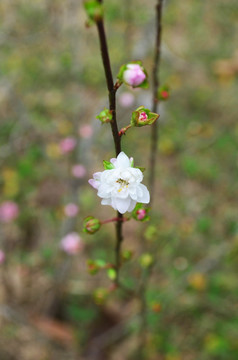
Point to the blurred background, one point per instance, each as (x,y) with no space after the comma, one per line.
(52,87)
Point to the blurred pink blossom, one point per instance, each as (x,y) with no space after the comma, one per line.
(126,99)
(67,145)
(2,256)
(78,171)
(71,210)
(8,211)
(86,131)
(71,243)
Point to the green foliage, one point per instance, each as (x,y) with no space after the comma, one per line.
(94,9)
(108,165)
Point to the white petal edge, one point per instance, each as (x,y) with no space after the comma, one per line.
(145,197)
(132,206)
(122,161)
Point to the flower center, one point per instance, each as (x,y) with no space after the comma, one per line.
(122,183)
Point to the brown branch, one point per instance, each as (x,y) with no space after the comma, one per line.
(117,140)
(155,102)
(152,168)
(110,84)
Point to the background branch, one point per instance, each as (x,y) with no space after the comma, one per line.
(155,101)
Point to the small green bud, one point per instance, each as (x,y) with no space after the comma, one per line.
(91,225)
(92,267)
(94,10)
(127,255)
(146,260)
(95,265)
(151,233)
(112,274)
(105,116)
(142,116)
(100,295)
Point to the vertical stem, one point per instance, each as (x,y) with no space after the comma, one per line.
(114,127)
(110,84)
(153,151)
(155,102)
(118,245)
(143,317)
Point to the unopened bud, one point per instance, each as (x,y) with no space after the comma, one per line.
(105,116)
(127,255)
(140,213)
(146,260)
(92,267)
(164,92)
(100,295)
(133,74)
(142,116)
(94,10)
(91,225)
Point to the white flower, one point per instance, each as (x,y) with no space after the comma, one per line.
(120,187)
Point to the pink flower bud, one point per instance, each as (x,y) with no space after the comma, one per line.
(164,94)
(67,145)
(86,131)
(141,213)
(2,256)
(78,171)
(126,99)
(143,117)
(71,243)
(134,75)
(8,211)
(71,210)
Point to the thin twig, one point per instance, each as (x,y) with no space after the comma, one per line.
(153,150)
(117,140)
(155,102)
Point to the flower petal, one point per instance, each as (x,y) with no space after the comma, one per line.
(122,161)
(104,190)
(122,205)
(106,202)
(145,195)
(132,206)
(113,160)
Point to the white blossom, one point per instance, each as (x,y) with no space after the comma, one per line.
(120,187)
